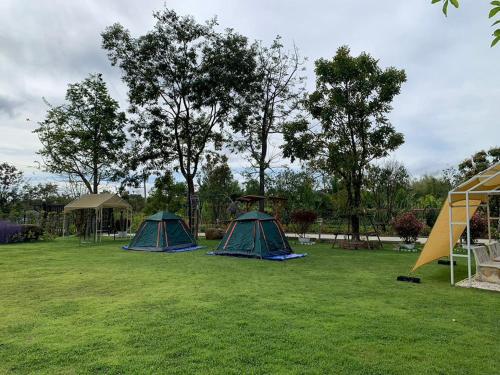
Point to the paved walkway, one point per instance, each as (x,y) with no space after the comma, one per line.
(324,236)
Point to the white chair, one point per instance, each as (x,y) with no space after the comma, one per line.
(487,270)
(494,248)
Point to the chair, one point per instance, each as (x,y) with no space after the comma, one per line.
(487,270)
(494,248)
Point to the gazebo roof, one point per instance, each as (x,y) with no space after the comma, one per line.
(480,186)
(95,201)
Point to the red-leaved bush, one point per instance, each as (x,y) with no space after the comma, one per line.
(478,226)
(303,219)
(408,227)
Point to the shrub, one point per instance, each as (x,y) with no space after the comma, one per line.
(431,216)
(478,226)
(214,233)
(8,231)
(408,227)
(302,220)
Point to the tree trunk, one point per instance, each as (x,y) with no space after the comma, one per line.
(355,227)
(262,164)
(262,188)
(356,205)
(96,186)
(190,208)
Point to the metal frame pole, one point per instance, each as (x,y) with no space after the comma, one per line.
(452,275)
(488,214)
(469,270)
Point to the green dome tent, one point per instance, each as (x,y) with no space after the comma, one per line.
(255,234)
(163,231)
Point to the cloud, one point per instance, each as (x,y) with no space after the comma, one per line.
(8,106)
(447,110)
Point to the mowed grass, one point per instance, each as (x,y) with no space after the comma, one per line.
(66,308)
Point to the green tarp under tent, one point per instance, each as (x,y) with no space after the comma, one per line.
(256,234)
(163,231)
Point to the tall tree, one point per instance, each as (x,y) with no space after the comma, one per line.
(352,99)
(388,188)
(184,81)
(84,137)
(275,95)
(11,179)
(166,194)
(218,186)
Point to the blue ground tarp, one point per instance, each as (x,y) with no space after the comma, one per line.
(286,257)
(182,250)
(276,257)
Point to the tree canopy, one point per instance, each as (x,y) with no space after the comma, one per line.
(84,138)
(272,99)
(185,81)
(350,104)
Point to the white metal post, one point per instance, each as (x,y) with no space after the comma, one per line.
(469,270)
(95,227)
(452,276)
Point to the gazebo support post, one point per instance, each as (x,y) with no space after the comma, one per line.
(469,270)
(64,224)
(100,233)
(488,215)
(452,245)
(95,230)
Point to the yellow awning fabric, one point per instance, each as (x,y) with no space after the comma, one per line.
(95,201)
(477,189)
(438,243)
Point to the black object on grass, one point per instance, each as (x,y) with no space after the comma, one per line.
(409,279)
(446,262)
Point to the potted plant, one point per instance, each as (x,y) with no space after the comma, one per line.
(408,227)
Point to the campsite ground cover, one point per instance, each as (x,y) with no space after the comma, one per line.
(66,308)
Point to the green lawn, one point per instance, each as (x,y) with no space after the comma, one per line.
(66,308)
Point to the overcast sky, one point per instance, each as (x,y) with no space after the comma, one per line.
(448,108)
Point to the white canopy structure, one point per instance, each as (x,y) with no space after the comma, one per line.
(455,216)
(96,203)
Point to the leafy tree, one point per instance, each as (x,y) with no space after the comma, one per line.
(84,137)
(10,184)
(217,186)
(184,81)
(478,162)
(425,186)
(388,187)
(300,189)
(352,99)
(275,95)
(43,192)
(167,194)
(495,9)
(251,186)
(137,201)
